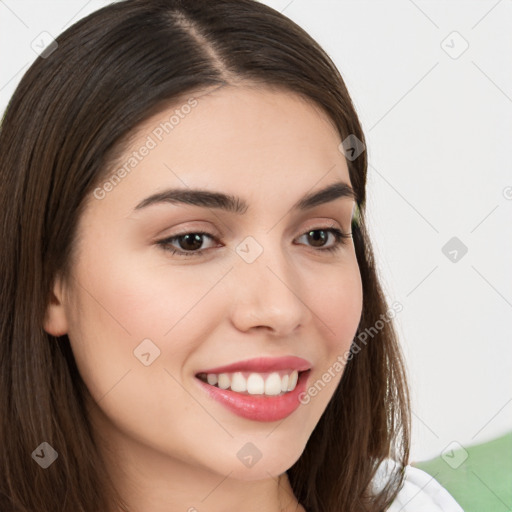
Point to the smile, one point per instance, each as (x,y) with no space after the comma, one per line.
(258,406)
(271,383)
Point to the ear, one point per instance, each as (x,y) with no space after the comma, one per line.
(55,321)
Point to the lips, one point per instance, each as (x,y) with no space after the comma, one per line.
(261,408)
(262,365)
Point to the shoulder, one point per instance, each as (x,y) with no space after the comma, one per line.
(420,492)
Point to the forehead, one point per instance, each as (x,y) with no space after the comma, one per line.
(239,122)
(234,138)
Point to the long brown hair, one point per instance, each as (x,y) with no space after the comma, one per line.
(70,116)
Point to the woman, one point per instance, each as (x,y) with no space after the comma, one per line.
(187,276)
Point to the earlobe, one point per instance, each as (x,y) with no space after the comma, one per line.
(55,321)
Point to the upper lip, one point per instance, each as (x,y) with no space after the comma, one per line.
(263,364)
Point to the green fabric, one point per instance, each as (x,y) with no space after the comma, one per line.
(483,481)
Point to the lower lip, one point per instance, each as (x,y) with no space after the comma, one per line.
(259,407)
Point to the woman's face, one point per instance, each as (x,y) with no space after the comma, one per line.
(144,321)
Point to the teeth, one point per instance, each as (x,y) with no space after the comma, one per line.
(255,385)
(212,379)
(271,384)
(237,382)
(293,380)
(284,386)
(224,381)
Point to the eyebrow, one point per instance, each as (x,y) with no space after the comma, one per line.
(234,204)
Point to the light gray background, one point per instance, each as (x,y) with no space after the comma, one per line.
(439,134)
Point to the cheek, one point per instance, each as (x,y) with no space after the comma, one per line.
(137,295)
(124,308)
(338,302)
(124,311)
(338,307)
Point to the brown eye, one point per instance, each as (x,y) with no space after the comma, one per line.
(318,237)
(189,244)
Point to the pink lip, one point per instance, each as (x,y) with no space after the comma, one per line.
(263,364)
(258,407)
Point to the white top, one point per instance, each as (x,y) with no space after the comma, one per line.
(421,492)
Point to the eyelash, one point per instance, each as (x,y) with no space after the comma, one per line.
(339,240)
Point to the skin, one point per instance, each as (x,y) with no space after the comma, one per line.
(167,445)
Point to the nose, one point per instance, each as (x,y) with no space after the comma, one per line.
(268,294)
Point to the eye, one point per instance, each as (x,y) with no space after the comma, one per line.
(191,244)
(320,236)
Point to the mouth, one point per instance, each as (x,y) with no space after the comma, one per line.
(275,383)
(257,396)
